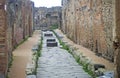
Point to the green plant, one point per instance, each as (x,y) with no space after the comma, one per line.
(85,67)
(55,26)
(7,76)
(9,65)
(10,62)
(38,54)
(21,42)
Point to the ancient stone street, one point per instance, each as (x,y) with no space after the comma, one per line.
(60,39)
(58,63)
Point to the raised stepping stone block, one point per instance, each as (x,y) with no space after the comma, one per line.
(52,44)
(51,40)
(97,66)
(48,35)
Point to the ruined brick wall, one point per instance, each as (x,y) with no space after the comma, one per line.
(16,23)
(89,23)
(4,36)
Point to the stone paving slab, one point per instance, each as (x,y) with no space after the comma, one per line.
(58,63)
(31,76)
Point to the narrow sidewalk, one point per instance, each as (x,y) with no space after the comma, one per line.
(22,56)
(86,52)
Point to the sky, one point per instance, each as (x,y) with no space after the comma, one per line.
(47,3)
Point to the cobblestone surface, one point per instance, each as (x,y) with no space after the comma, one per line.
(58,63)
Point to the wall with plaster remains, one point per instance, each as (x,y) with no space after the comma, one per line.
(89,23)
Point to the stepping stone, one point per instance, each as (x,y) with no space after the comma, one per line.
(52,44)
(97,66)
(51,40)
(48,35)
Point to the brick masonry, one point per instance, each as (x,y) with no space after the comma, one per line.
(89,23)
(16,24)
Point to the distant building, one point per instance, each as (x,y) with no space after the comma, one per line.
(46,17)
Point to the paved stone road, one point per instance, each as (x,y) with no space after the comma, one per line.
(58,63)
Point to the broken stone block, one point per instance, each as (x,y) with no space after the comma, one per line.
(35,48)
(99,72)
(30,68)
(82,59)
(52,44)
(108,74)
(90,66)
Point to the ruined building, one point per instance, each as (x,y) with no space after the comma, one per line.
(16,24)
(46,17)
(94,24)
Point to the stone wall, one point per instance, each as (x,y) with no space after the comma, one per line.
(21,13)
(16,24)
(89,23)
